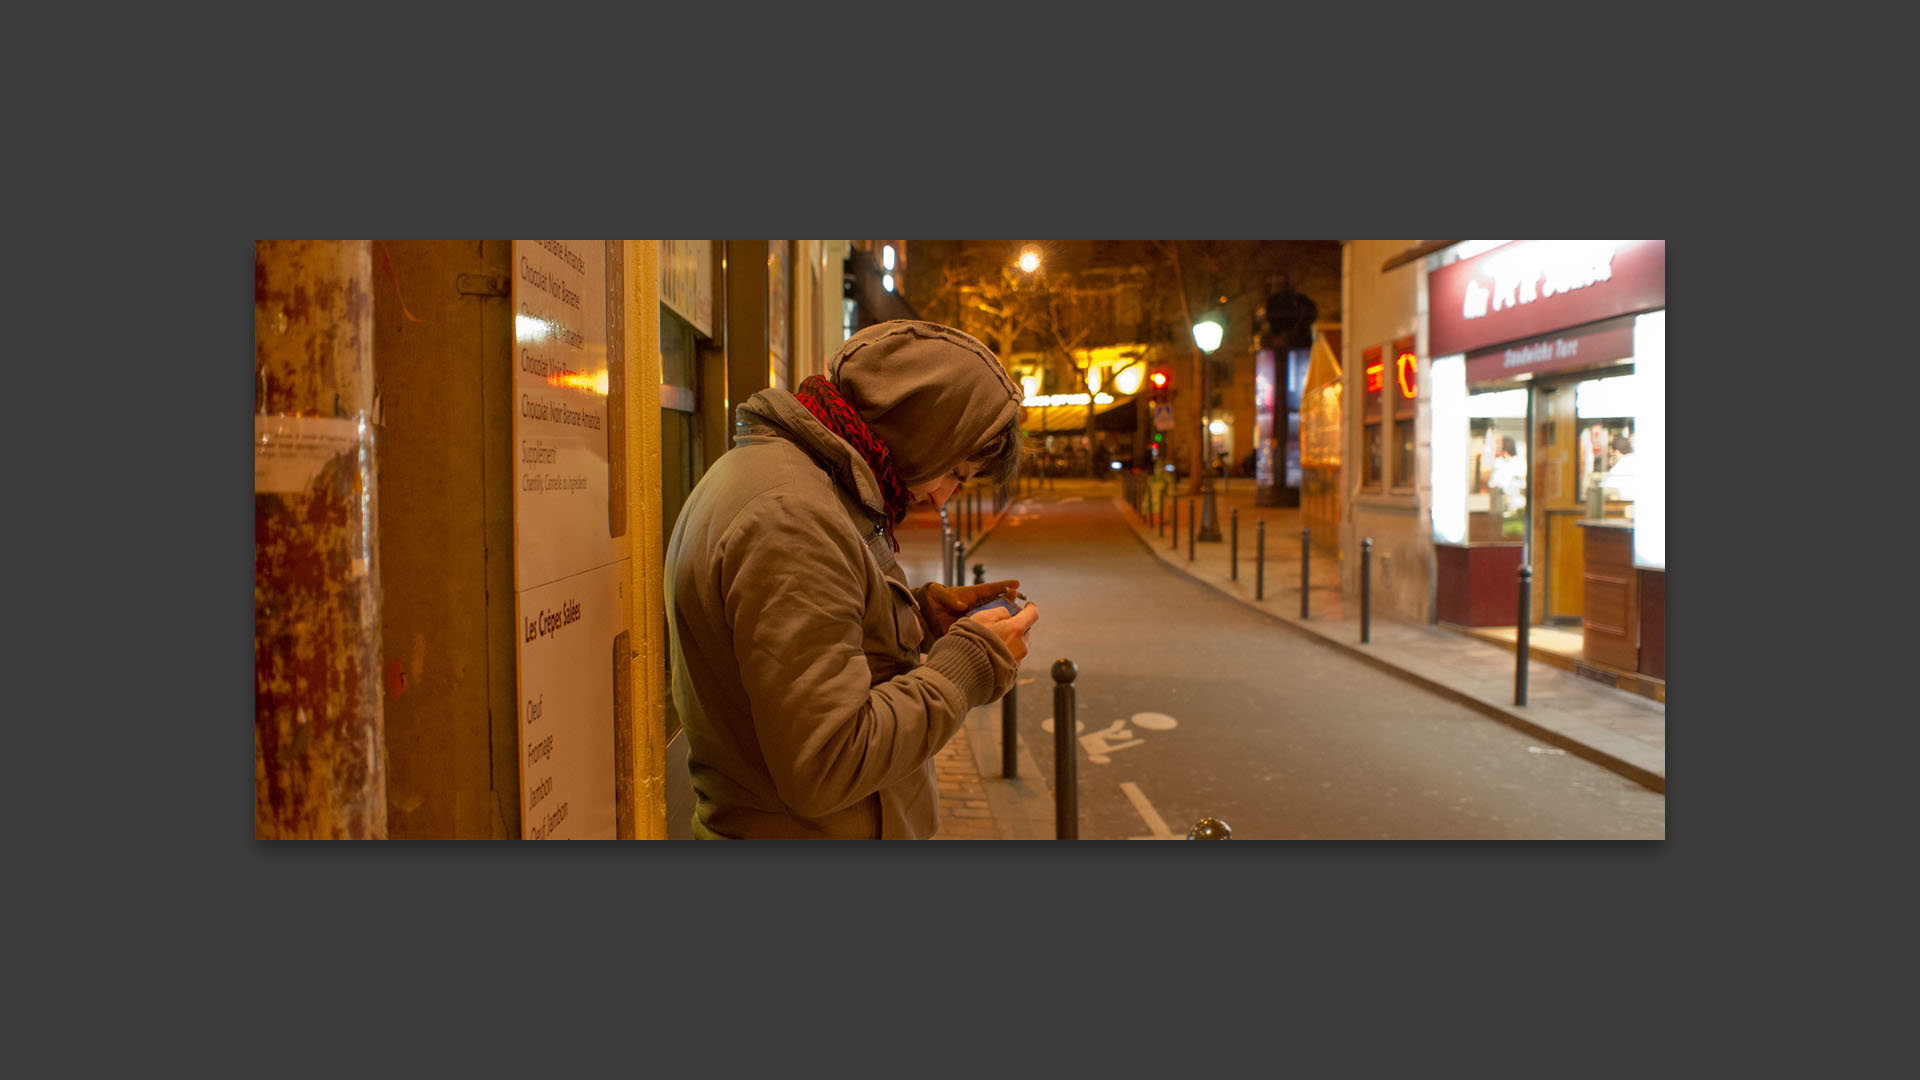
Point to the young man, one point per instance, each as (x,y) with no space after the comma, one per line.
(814,686)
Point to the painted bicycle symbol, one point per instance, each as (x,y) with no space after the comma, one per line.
(1101,745)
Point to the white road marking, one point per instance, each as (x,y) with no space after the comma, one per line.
(1097,745)
(1155,721)
(1147,813)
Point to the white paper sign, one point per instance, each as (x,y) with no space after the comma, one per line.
(560,409)
(289,451)
(568,597)
(566,639)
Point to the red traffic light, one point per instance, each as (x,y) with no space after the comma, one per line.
(1158,379)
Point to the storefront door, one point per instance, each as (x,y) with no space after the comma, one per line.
(1557,507)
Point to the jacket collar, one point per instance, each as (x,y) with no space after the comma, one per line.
(774,412)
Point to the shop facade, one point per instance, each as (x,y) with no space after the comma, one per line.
(1547,419)
(1383,432)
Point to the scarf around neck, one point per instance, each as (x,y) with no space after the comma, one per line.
(823,400)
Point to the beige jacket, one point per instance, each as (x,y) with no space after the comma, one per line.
(798,667)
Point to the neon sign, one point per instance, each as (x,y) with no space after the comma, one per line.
(1407,370)
(1374,375)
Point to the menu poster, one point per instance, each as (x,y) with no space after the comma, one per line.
(566,630)
(568,579)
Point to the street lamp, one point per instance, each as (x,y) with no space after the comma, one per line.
(1029,260)
(1207,334)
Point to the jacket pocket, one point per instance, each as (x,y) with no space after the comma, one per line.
(908,631)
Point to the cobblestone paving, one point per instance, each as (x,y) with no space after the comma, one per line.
(964,812)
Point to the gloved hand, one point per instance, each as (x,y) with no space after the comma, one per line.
(945,606)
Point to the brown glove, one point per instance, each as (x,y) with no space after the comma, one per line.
(945,606)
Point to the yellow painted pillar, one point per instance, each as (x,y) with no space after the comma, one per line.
(319,745)
(645,747)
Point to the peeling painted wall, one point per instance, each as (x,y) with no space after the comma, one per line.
(319,744)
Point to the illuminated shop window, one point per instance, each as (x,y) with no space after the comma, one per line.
(1497,473)
(1605,450)
(1402,379)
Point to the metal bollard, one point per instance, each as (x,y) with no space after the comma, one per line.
(979,573)
(1306,554)
(1175,543)
(1209,828)
(1234,516)
(1066,802)
(1191,519)
(1366,587)
(959,564)
(1520,642)
(966,520)
(1009,744)
(1160,513)
(1259,560)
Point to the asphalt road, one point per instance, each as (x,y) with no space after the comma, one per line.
(1192,705)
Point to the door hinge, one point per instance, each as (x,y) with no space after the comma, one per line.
(481,284)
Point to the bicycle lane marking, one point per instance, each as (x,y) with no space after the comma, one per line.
(1146,811)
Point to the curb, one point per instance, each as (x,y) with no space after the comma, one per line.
(1617,753)
(1022,806)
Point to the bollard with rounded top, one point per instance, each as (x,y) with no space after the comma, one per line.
(1191,518)
(1520,642)
(1175,545)
(1306,554)
(1009,739)
(959,563)
(1066,802)
(1259,560)
(1366,587)
(1236,543)
(1209,828)
(979,573)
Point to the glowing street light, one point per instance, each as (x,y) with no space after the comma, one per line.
(1029,261)
(1207,334)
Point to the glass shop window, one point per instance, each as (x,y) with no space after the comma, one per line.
(1497,474)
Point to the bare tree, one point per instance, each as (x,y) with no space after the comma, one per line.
(1068,306)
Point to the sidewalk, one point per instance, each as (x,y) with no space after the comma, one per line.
(1615,728)
(976,802)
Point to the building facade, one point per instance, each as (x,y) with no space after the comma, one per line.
(469,456)
(1506,412)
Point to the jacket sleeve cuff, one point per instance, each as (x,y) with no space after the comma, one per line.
(976,660)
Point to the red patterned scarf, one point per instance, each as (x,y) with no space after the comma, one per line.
(825,403)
